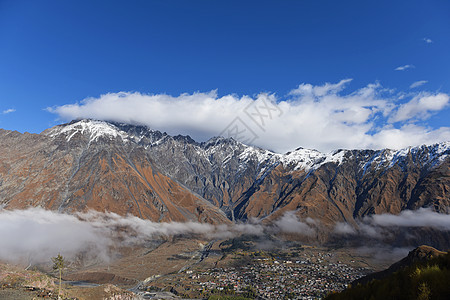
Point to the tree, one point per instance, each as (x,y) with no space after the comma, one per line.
(59,263)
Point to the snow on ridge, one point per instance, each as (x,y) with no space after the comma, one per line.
(260,154)
(310,159)
(306,159)
(441,147)
(433,154)
(95,128)
(437,153)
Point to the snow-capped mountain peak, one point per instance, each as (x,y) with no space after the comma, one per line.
(95,129)
(225,150)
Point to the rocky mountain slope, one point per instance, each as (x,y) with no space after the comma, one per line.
(87,172)
(133,169)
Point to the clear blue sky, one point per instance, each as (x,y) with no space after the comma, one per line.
(59,52)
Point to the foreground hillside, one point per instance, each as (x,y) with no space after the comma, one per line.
(129,169)
(17,283)
(188,268)
(423,274)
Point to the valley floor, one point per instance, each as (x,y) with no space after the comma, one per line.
(194,269)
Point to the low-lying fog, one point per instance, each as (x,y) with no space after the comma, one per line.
(35,235)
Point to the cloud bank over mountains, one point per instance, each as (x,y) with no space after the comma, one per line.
(35,235)
(378,226)
(323,117)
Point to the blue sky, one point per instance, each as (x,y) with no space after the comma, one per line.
(57,53)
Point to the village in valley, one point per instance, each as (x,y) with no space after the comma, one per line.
(301,272)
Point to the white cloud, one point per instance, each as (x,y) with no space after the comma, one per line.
(421,107)
(427,40)
(344,228)
(320,117)
(403,68)
(418,83)
(422,217)
(8,111)
(382,225)
(308,90)
(290,223)
(35,235)
(408,134)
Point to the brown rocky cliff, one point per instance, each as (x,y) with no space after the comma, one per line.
(346,192)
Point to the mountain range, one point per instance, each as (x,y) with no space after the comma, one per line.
(128,169)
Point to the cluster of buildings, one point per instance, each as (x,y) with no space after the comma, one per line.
(274,278)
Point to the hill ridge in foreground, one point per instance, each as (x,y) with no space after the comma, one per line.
(423,274)
(18,283)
